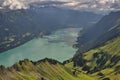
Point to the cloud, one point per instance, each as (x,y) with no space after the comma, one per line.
(14,4)
(95,4)
(73,4)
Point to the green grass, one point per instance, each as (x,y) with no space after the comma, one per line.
(26,70)
(82,76)
(111,48)
(102,58)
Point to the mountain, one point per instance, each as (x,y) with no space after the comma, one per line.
(107,28)
(20,26)
(102,63)
(46,69)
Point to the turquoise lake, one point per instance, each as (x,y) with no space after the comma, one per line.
(57,46)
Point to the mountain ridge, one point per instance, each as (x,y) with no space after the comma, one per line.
(46,69)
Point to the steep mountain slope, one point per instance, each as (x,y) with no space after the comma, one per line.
(46,69)
(103,62)
(107,28)
(19,26)
(14,30)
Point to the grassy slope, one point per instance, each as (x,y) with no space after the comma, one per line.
(27,70)
(109,51)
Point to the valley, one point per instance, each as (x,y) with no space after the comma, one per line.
(50,42)
(19,26)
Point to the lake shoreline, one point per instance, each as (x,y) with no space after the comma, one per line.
(57,45)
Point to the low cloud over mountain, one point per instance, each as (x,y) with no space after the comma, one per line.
(13,4)
(74,4)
